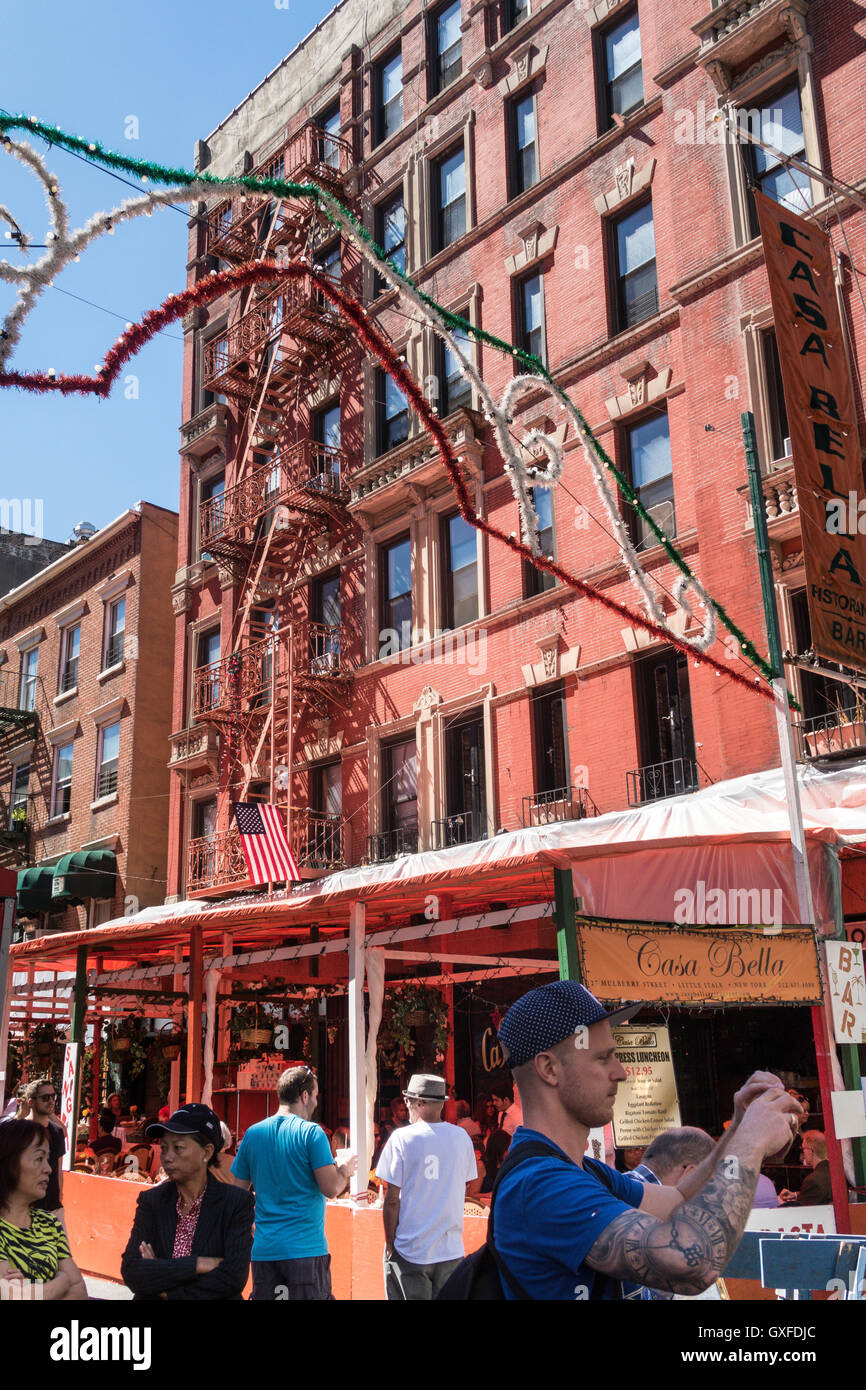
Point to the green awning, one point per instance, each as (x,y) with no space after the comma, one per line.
(86,874)
(34,890)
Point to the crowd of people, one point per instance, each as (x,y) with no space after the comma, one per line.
(566,1225)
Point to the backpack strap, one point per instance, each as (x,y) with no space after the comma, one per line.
(531,1148)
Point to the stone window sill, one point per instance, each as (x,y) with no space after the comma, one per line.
(110,671)
(65,695)
(102,801)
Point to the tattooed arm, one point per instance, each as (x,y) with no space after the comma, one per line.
(686,1252)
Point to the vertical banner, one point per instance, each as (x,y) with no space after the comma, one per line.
(822,422)
(847,990)
(67,1102)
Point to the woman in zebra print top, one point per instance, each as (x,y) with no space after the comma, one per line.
(35,1261)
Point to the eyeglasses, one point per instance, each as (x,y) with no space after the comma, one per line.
(47,1095)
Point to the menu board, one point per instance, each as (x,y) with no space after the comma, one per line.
(646,1102)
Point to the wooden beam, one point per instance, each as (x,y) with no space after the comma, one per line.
(357,1046)
(195,984)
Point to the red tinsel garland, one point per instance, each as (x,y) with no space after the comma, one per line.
(177,305)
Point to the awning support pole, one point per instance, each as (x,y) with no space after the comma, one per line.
(357,1045)
(79,1013)
(806,907)
(194,1038)
(9,909)
(566,925)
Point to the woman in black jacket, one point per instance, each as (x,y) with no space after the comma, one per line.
(193,1234)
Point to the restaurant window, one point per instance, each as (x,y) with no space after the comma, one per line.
(618,62)
(453,387)
(634,252)
(29,676)
(328,150)
(529,328)
(550,739)
(778,414)
(19,795)
(459,571)
(449,199)
(70,648)
(536,581)
(388,97)
(395,588)
(779,122)
(446,41)
(391,237)
(400,792)
(61,790)
(522,143)
(392,413)
(666,737)
(115,629)
(107,759)
(513,11)
(651,474)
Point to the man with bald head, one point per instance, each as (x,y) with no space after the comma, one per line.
(569,1227)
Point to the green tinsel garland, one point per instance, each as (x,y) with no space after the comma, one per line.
(159,173)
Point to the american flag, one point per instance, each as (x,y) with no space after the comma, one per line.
(265,843)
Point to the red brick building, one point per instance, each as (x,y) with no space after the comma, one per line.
(553,172)
(85,689)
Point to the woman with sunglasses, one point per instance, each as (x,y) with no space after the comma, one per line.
(33,1245)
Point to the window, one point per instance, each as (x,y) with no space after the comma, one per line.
(400,792)
(667,742)
(70,647)
(529,313)
(551,741)
(107,759)
(325,620)
(214,350)
(522,144)
(454,389)
(388,97)
(635,256)
(823,699)
(20,796)
(329,148)
(391,237)
(513,11)
(208,649)
(447,47)
(449,199)
(204,819)
(27,689)
(651,467)
(395,587)
(115,628)
(621,61)
(326,426)
(329,262)
(459,571)
(392,414)
(464,777)
(206,686)
(212,511)
(778,421)
(779,123)
(326,789)
(536,580)
(61,791)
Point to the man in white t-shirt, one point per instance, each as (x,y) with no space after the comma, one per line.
(428,1166)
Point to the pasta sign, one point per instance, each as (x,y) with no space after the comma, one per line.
(823,425)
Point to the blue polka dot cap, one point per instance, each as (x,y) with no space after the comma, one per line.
(550,1014)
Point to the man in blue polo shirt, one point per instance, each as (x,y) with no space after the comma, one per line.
(288,1162)
(569,1227)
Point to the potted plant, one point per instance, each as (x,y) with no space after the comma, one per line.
(839,731)
(406,1009)
(251,1027)
(171,1040)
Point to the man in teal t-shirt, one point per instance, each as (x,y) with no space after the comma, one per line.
(288,1162)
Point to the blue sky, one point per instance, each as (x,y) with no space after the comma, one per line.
(179,67)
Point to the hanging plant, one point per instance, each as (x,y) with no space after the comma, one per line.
(124,1041)
(251,1027)
(405,1009)
(42,1049)
(170,1040)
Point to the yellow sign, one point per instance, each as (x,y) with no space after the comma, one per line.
(663,965)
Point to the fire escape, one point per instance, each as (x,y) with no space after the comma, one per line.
(19,722)
(288,501)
